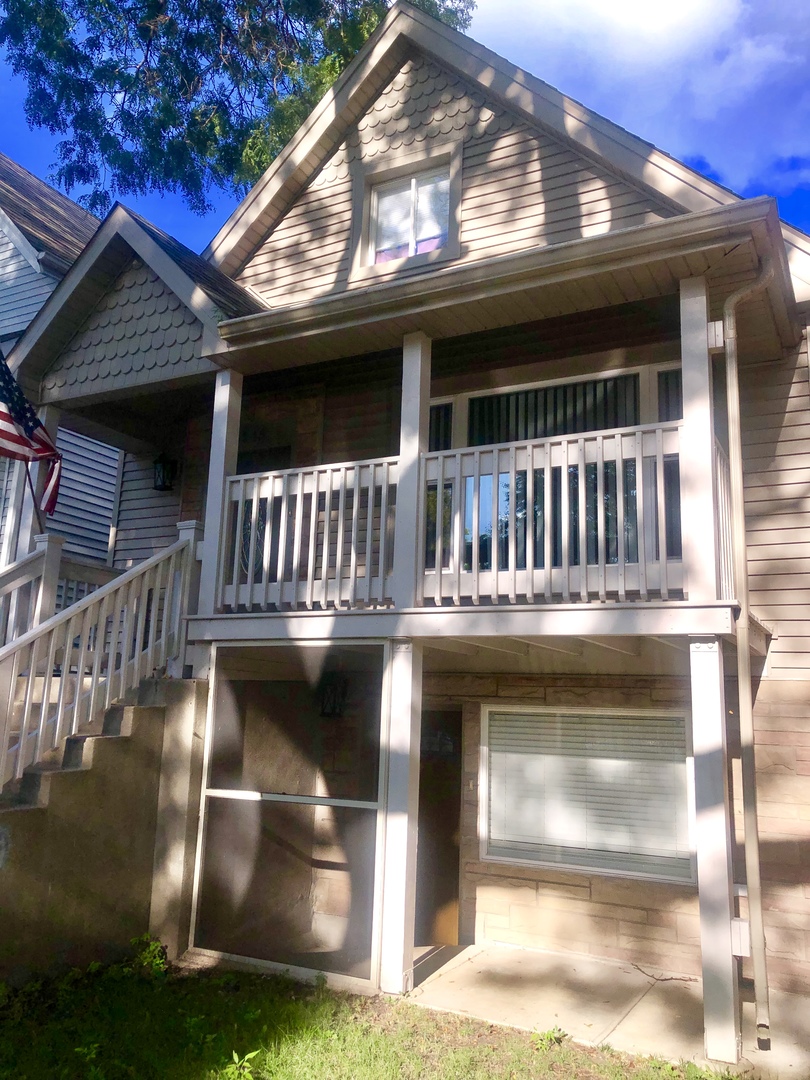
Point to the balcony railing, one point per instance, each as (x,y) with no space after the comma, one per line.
(585,517)
(320,537)
(581,518)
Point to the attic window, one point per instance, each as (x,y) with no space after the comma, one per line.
(410,216)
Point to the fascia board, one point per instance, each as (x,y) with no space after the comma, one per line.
(25,247)
(695,232)
(337,101)
(121,227)
(195,298)
(538,102)
(566,118)
(23,354)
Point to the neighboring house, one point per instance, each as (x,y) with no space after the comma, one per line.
(454,392)
(41,234)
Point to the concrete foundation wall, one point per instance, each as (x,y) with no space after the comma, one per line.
(77,874)
(624,918)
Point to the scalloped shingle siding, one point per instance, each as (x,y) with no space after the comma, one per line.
(139,332)
(521,187)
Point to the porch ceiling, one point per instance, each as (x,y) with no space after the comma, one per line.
(636,264)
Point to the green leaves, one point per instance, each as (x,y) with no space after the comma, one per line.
(181,95)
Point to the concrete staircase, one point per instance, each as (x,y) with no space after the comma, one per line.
(77,755)
(96,839)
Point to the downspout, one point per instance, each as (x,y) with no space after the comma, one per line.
(746,708)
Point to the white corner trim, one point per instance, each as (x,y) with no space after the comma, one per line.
(25,248)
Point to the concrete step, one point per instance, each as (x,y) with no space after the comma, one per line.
(33,789)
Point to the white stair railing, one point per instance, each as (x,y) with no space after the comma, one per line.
(61,676)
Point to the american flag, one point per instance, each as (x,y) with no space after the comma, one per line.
(24,438)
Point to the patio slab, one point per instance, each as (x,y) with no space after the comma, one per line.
(601,1001)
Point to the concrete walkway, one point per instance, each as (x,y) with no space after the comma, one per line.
(599,1001)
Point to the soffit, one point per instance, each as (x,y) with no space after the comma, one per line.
(645,262)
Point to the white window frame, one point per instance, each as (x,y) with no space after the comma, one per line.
(440,173)
(596,871)
(369,176)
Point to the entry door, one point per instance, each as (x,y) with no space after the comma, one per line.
(437,867)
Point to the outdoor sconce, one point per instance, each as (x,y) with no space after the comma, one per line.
(165,473)
(334,690)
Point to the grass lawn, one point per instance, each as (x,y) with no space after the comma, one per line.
(139,1020)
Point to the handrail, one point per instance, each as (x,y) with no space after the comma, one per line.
(62,675)
(592,515)
(76,609)
(21,572)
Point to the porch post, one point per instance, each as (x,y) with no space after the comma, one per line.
(221,465)
(402,810)
(29,522)
(413,442)
(698,509)
(721,1004)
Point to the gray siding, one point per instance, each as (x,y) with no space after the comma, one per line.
(776,454)
(23,290)
(86,496)
(147,519)
(139,333)
(520,187)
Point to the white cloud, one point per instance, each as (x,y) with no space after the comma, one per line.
(731,79)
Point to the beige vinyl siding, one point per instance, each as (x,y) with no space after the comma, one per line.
(147,519)
(520,187)
(23,289)
(776,454)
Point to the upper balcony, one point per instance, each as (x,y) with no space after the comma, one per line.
(587,492)
(585,518)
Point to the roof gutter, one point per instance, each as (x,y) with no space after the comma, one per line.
(462,283)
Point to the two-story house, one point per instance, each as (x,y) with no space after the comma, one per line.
(496,422)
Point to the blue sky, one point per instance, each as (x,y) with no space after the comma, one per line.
(721,84)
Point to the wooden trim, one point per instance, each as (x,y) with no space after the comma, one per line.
(671,618)
(26,249)
(675,237)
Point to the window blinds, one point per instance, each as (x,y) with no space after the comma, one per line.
(589,790)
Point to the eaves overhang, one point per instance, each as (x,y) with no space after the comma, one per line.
(122,237)
(377,316)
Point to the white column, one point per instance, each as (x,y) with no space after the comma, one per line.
(29,521)
(413,442)
(402,813)
(721,1005)
(221,465)
(697,445)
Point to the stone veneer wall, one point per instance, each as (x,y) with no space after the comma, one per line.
(645,923)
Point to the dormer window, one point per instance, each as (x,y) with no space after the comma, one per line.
(406,210)
(410,216)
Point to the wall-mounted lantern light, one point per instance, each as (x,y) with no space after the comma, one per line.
(165,473)
(334,689)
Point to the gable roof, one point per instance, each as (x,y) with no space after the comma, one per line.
(202,288)
(406,29)
(51,222)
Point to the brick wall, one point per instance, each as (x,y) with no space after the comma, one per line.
(646,923)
